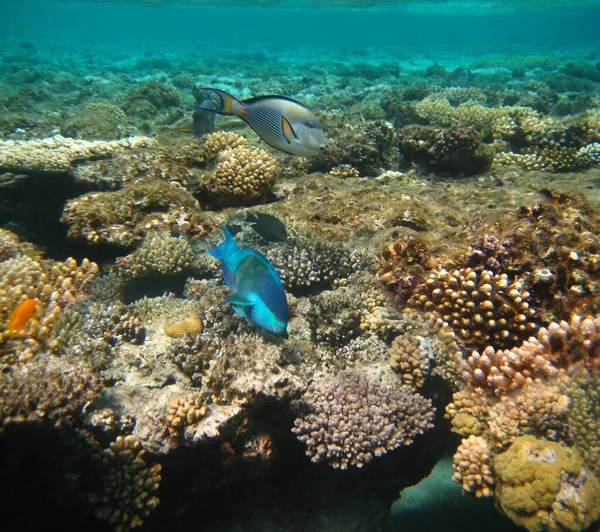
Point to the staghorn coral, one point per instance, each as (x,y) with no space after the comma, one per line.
(472,465)
(57,154)
(162,253)
(46,389)
(243,176)
(191,326)
(54,285)
(542,485)
(128,485)
(356,418)
(126,216)
(480,306)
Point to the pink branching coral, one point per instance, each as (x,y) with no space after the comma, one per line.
(351,421)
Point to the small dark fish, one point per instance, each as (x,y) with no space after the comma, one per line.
(281,122)
(203,121)
(465,77)
(548,196)
(267,226)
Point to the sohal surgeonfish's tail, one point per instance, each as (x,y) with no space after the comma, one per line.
(225,103)
(226,248)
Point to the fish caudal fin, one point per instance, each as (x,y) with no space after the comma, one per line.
(225,248)
(225,103)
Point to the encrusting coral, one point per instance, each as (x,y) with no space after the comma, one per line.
(542,485)
(351,421)
(57,154)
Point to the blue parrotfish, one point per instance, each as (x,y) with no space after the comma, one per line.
(257,292)
(283,123)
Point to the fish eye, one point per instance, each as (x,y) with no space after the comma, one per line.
(322,147)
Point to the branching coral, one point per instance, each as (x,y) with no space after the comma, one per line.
(472,467)
(480,306)
(129,485)
(162,254)
(357,418)
(46,389)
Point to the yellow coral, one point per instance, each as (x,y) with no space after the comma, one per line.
(472,466)
(242,176)
(222,140)
(544,486)
(188,327)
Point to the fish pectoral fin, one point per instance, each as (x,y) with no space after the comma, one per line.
(238,301)
(288,130)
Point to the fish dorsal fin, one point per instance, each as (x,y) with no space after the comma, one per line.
(288,130)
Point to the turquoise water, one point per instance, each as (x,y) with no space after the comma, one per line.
(463,141)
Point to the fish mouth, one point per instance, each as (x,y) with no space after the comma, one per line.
(322,147)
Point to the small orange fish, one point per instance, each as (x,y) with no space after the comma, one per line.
(19,317)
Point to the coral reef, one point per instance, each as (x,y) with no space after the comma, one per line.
(351,421)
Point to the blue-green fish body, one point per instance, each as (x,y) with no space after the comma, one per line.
(258,294)
(283,123)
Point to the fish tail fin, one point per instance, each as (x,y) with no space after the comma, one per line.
(225,248)
(225,103)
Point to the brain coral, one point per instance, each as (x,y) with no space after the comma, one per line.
(357,418)
(243,176)
(544,486)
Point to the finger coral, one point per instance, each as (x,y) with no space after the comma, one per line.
(482,307)
(350,421)
(472,467)
(243,176)
(129,485)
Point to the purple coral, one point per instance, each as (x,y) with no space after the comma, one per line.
(357,418)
